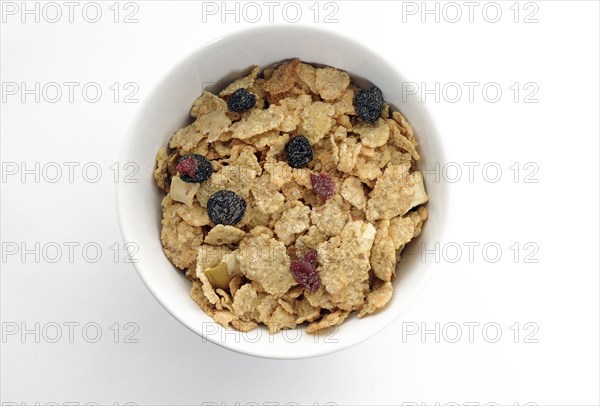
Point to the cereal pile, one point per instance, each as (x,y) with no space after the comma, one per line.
(290,198)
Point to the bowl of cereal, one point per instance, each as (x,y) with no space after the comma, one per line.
(282,206)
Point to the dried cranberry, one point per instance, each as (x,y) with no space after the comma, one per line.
(305,273)
(323,185)
(187,167)
(311,258)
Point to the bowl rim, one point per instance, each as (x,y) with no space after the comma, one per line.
(126,231)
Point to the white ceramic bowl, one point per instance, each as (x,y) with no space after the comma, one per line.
(167,108)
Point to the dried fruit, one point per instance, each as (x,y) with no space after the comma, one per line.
(194,168)
(183,192)
(299,152)
(218,276)
(241,100)
(311,257)
(369,104)
(323,185)
(225,207)
(187,167)
(305,273)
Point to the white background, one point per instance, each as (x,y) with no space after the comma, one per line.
(555,359)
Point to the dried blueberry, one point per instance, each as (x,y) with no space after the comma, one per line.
(241,100)
(194,168)
(369,104)
(323,185)
(304,271)
(298,151)
(225,207)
